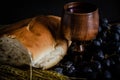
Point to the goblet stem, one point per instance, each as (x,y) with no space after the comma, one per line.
(78,47)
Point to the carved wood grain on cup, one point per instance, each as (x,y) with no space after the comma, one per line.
(80,21)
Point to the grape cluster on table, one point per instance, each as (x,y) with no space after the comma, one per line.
(100,59)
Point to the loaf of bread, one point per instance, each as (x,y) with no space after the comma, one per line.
(42,37)
(12,52)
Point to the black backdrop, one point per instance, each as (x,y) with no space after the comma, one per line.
(13,11)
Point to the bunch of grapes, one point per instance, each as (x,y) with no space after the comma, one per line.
(100,59)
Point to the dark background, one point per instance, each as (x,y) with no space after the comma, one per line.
(13,11)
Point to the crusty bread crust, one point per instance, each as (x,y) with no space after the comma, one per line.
(41,35)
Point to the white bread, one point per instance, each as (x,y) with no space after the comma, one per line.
(42,37)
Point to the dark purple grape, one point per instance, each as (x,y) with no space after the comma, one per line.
(117,31)
(96,65)
(68,64)
(59,70)
(118,50)
(103,20)
(112,62)
(89,73)
(69,68)
(99,55)
(100,29)
(97,43)
(115,37)
(107,75)
(104,35)
(104,24)
(87,69)
(105,27)
(106,63)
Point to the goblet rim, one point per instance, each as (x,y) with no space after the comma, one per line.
(71,4)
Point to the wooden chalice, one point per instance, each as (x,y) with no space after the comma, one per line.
(80,22)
